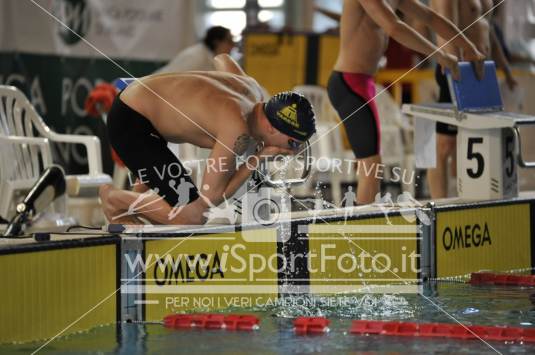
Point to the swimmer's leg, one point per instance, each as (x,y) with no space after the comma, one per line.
(437,178)
(125,207)
(111,211)
(352,95)
(139,187)
(369,180)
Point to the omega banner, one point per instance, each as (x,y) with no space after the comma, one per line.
(56,68)
(496,238)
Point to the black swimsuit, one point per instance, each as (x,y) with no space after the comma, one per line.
(144,151)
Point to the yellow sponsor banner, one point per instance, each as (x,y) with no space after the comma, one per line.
(327,57)
(45,292)
(277,62)
(344,256)
(209,272)
(486,238)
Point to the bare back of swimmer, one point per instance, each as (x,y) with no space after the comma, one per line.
(366,26)
(189,107)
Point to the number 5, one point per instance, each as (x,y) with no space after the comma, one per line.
(477,156)
(509,158)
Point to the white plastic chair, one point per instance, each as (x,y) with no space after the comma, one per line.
(25,150)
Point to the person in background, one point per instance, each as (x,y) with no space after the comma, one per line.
(397,55)
(473,16)
(498,22)
(200,56)
(366,26)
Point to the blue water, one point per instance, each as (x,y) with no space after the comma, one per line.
(468,304)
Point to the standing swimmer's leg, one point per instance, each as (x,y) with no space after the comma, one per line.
(438,177)
(368,179)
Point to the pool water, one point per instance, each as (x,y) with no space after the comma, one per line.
(484,305)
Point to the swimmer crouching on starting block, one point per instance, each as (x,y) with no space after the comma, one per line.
(365,28)
(222,110)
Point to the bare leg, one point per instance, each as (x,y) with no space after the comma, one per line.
(129,203)
(438,177)
(368,179)
(453,162)
(126,207)
(111,212)
(139,187)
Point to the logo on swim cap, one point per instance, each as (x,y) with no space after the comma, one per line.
(291,114)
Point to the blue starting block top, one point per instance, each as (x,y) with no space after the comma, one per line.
(470,94)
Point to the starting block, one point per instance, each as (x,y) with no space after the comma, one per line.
(488,142)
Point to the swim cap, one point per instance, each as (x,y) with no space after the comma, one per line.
(291,114)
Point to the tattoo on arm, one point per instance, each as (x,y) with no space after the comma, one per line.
(241,144)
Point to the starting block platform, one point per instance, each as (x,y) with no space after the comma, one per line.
(489,146)
(450,114)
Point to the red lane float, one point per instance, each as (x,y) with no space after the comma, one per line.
(211,321)
(311,325)
(443,330)
(488,278)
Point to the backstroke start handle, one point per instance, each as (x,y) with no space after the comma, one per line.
(518,147)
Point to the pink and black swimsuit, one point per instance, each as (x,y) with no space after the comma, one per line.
(352,95)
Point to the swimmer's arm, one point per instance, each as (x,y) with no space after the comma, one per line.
(385,17)
(441,25)
(223,179)
(219,170)
(449,10)
(220,174)
(225,183)
(225,63)
(498,55)
(250,165)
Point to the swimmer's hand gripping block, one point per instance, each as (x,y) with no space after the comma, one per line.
(469,94)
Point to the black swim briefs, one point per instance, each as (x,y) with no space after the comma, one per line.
(351,94)
(144,151)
